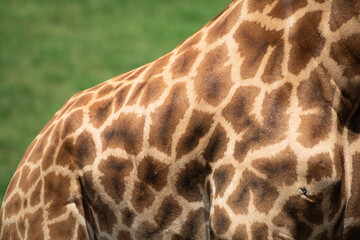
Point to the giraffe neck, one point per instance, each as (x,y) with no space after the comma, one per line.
(248,130)
(281,40)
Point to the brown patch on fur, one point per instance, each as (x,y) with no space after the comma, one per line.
(153,172)
(64,229)
(82,153)
(354,127)
(83,100)
(105,91)
(213,81)
(35,220)
(285,9)
(148,230)
(199,124)
(136,93)
(319,166)
(48,158)
(306,40)
(13,206)
(280,169)
(56,194)
(120,97)
(346,52)
(114,170)
(254,41)
(123,76)
(142,196)
(191,179)
(352,209)
(21,227)
(237,112)
(315,127)
(343,112)
(82,232)
(273,71)
(339,161)
(124,235)
(100,111)
(126,132)
(223,26)
(222,178)
(220,220)
(167,117)
(322,235)
(152,91)
(240,232)
(168,212)
(256,5)
(336,198)
(194,227)
(217,145)
(184,63)
(97,87)
(343,11)
(295,210)
(28,178)
(128,217)
(106,218)
(275,124)
(316,91)
(35,195)
(10,232)
(259,231)
(72,123)
(264,194)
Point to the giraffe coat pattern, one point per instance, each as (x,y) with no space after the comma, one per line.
(250,129)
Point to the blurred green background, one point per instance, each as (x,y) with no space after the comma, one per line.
(49,50)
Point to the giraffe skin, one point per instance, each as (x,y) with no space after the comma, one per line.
(250,129)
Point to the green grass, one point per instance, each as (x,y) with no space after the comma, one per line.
(49,50)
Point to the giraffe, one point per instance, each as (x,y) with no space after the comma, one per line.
(250,129)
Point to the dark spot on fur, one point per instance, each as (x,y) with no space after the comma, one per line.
(184,63)
(153,172)
(343,11)
(120,97)
(306,40)
(222,178)
(191,179)
(99,112)
(199,124)
(254,41)
(167,117)
(142,196)
(126,132)
(285,9)
(264,194)
(280,169)
(114,170)
(259,231)
(217,145)
(220,220)
(213,81)
(319,167)
(128,217)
